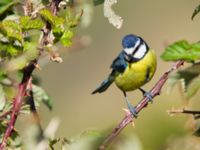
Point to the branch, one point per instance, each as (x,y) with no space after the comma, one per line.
(141,105)
(17,102)
(195,113)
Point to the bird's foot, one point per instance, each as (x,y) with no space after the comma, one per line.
(132,110)
(147,94)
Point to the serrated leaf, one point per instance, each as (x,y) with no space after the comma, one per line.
(66,38)
(182,50)
(41,96)
(49,17)
(27,23)
(196,11)
(11,29)
(2,98)
(98,2)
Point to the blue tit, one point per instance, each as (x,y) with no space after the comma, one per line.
(133,67)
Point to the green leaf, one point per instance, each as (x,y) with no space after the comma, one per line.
(57,32)
(193,88)
(182,50)
(11,29)
(49,17)
(2,98)
(66,38)
(41,96)
(27,23)
(189,78)
(98,2)
(12,50)
(72,18)
(6,6)
(30,52)
(196,11)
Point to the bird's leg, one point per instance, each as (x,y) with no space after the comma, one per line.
(147,94)
(130,107)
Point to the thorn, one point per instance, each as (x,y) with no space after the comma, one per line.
(127,112)
(133,124)
(170,113)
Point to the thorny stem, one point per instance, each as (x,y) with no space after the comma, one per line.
(17,102)
(27,72)
(141,105)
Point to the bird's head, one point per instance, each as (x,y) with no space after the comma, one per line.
(134,47)
(130,41)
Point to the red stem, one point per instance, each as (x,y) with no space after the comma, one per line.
(141,105)
(17,103)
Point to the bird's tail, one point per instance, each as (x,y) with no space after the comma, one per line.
(104,85)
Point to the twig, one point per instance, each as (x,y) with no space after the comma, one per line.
(5,114)
(142,104)
(195,113)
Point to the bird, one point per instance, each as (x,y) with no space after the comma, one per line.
(131,69)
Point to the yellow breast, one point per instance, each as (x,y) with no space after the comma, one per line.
(137,73)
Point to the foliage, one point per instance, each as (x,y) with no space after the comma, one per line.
(189,77)
(21,44)
(182,50)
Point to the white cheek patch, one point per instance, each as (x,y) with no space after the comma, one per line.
(140,52)
(130,50)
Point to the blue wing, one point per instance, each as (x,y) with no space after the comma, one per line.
(119,64)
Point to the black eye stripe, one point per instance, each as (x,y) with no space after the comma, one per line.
(137,48)
(131,57)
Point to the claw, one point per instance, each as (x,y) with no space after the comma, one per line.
(130,107)
(133,111)
(147,94)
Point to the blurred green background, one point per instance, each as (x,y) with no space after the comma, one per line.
(159,22)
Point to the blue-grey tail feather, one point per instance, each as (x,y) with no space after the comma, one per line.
(104,85)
